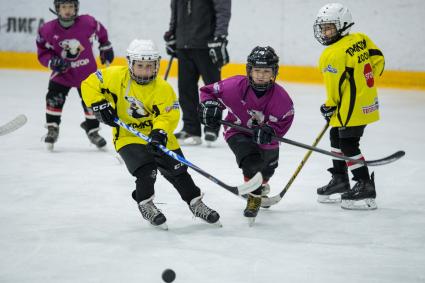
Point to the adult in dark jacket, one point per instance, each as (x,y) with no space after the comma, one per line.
(198,38)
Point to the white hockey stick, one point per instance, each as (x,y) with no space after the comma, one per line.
(13,125)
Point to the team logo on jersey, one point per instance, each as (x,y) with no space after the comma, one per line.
(99,76)
(136,108)
(368,74)
(257,118)
(330,69)
(371,108)
(71,49)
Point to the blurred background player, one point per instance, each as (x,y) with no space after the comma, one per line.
(255,101)
(197,37)
(138,97)
(349,65)
(65,46)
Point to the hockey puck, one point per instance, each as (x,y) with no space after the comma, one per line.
(168,275)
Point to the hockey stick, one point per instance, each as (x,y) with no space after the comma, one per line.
(245,188)
(388,159)
(167,71)
(13,125)
(266,202)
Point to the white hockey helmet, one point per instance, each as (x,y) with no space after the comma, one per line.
(332,13)
(143,50)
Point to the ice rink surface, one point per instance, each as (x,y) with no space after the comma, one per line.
(67,216)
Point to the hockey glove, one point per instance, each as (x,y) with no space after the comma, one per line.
(210,113)
(218,51)
(158,137)
(106,53)
(104,112)
(263,134)
(59,65)
(170,43)
(327,111)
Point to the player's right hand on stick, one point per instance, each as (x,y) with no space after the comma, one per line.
(104,112)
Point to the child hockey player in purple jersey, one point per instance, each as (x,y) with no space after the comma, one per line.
(65,46)
(257,102)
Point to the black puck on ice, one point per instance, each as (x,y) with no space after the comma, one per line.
(168,275)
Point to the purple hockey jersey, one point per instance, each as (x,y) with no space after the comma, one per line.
(74,45)
(275,108)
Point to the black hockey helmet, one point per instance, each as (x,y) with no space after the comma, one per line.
(57,3)
(262,57)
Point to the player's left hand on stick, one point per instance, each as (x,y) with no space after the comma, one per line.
(210,113)
(106,53)
(104,112)
(158,137)
(263,134)
(327,111)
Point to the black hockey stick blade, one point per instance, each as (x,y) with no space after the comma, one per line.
(389,159)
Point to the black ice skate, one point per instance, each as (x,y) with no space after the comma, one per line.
(152,214)
(339,184)
(361,196)
(210,136)
(199,209)
(52,135)
(93,135)
(252,207)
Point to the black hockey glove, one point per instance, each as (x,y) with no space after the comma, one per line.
(210,113)
(218,51)
(104,112)
(170,43)
(58,64)
(263,134)
(327,111)
(158,137)
(106,53)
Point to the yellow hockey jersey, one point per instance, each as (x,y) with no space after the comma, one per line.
(144,107)
(349,68)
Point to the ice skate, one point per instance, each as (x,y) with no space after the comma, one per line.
(51,136)
(210,137)
(265,190)
(199,209)
(186,139)
(152,214)
(93,135)
(361,196)
(252,207)
(330,193)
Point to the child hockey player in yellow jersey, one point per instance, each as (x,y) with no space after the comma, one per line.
(349,66)
(139,98)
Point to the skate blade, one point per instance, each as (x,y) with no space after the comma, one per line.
(209,144)
(364,204)
(217,224)
(328,199)
(162,226)
(251,221)
(49,147)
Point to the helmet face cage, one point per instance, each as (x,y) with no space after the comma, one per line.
(139,79)
(262,57)
(336,14)
(57,3)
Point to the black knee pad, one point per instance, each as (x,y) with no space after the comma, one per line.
(334,137)
(251,164)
